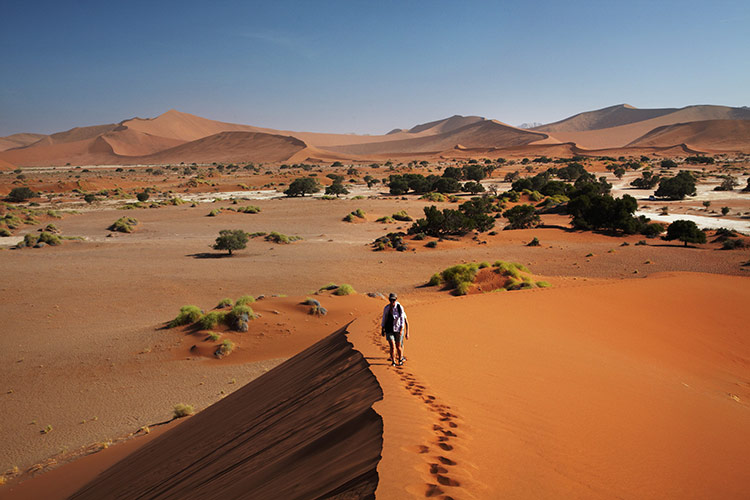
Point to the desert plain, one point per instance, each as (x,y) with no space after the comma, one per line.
(621,371)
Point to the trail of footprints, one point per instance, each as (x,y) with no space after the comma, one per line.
(445,427)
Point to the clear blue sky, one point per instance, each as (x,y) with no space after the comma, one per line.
(363,66)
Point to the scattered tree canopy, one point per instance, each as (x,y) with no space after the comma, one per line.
(231,239)
(302,186)
(686,231)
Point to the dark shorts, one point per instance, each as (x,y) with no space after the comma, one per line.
(395,336)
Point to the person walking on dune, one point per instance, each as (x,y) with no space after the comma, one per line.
(394,327)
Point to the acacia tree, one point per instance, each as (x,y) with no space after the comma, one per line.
(302,186)
(677,187)
(686,231)
(337,188)
(522,217)
(231,239)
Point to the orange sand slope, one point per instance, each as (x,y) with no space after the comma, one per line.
(707,135)
(306,429)
(616,126)
(624,389)
(19,140)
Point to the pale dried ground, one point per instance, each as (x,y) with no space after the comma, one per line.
(82,351)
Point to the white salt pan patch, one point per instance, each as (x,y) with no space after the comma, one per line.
(700,220)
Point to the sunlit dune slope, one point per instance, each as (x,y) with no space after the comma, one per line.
(623,389)
(306,429)
(479,134)
(707,135)
(19,140)
(617,126)
(231,147)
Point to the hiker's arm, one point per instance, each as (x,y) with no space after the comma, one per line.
(406,327)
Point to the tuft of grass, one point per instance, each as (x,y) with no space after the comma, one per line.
(181,410)
(484,264)
(188,315)
(309,301)
(402,216)
(318,310)
(460,273)
(431,244)
(344,290)
(4,232)
(224,349)
(463,288)
(250,209)
(239,310)
(46,430)
(435,280)
(329,286)
(213,336)
(245,299)
(543,284)
(385,220)
(283,239)
(214,212)
(49,238)
(226,302)
(434,197)
(359,213)
(348,218)
(124,224)
(212,319)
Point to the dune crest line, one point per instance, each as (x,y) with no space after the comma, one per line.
(305,429)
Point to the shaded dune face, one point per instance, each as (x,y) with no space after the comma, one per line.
(306,429)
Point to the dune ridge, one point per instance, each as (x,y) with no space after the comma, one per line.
(708,135)
(305,429)
(19,140)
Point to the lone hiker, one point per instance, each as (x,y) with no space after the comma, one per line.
(394,326)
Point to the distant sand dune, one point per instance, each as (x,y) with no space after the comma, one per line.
(19,140)
(707,135)
(306,429)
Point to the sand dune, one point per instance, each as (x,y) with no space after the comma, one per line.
(19,140)
(4,165)
(183,126)
(306,429)
(611,128)
(479,134)
(125,141)
(613,400)
(76,134)
(230,147)
(83,152)
(707,135)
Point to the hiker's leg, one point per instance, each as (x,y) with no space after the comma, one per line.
(391,343)
(402,343)
(399,351)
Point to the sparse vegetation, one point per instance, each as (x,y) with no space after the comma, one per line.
(226,302)
(522,217)
(181,410)
(344,290)
(224,349)
(212,319)
(231,239)
(283,239)
(187,316)
(124,225)
(21,194)
(686,231)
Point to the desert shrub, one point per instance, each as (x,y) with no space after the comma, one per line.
(471,215)
(245,299)
(142,196)
(213,336)
(724,210)
(212,319)
(231,239)
(318,310)
(12,221)
(49,238)
(534,242)
(359,213)
(652,230)
(187,316)
(239,311)
(176,201)
(348,218)
(181,410)
(522,217)
(463,288)
(419,236)
(51,228)
(435,280)
(89,198)
(433,197)
(459,273)
(732,244)
(391,240)
(385,220)
(214,212)
(309,301)
(21,194)
(275,237)
(402,216)
(227,302)
(29,240)
(250,209)
(329,286)
(124,224)
(543,284)
(344,290)
(431,244)
(4,232)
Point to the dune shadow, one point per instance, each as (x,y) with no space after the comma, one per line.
(209,255)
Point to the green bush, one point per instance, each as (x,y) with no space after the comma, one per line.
(435,280)
(245,299)
(29,240)
(142,196)
(349,218)
(522,217)
(214,212)
(20,194)
(543,284)
(250,209)
(213,336)
(49,238)
(187,316)
(385,220)
(402,216)
(4,232)
(431,244)
(359,213)
(227,302)
(275,237)
(459,273)
(686,231)
(124,224)
(463,288)
(344,290)
(238,311)
(212,319)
